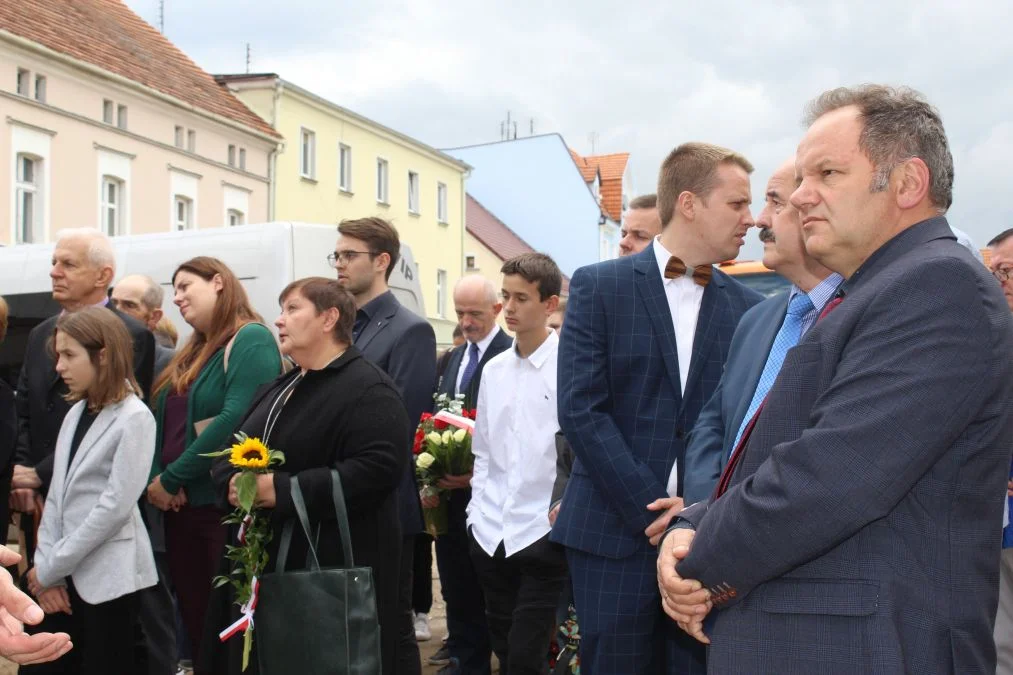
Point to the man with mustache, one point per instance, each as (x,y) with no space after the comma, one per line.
(854,529)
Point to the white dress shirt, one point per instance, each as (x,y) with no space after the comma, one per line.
(483,344)
(684,298)
(515,449)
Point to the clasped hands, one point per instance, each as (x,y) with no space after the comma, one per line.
(25,486)
(686,601)
(162,499)
(53,599)
(446,483)
(266,496)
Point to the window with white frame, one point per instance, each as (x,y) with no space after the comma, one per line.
(232,155)
(413,192)
(183,215)
(345,167)
(28,199)
(191,140)
(40,88)
(112,206)
(24,81)
(382,180)
(242,158)
(441,293)
(235,217)
(107,111)
(470,262)
(441,203)
(121,116)
(307,153)
(179,136)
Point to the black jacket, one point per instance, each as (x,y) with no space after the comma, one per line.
(348,416)
(448,382)
(8,437)
(40,403)
(403,344)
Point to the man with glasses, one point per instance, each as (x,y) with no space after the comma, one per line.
(403,344)
(1001,264)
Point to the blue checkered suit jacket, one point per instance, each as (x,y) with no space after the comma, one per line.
(862,527)
(619,395)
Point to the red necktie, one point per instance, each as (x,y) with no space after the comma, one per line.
(740,449)
(677,268)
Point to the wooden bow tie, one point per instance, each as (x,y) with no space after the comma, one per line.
(677,268)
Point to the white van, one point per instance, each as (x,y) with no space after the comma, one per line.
(266,257)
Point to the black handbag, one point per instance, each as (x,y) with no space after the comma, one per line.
(317,620)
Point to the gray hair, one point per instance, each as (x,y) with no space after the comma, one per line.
(100,248)
(491,294)
(898,125)
(153,294)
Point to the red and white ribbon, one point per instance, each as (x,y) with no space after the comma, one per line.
(455,420)
(246,620)
(247,521)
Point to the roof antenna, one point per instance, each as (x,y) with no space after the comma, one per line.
(532,132)
(247,58)
(161,16)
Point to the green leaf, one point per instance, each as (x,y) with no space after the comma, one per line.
(246,490)
(220,453)
(276,457)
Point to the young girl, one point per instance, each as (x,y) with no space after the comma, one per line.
(93,552)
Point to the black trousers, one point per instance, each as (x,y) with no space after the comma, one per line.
(157,614)
(409,662)
(468,634)
(422,576)
(521,596)
(105,638)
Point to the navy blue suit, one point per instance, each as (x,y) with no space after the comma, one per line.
(621,407)
(712,437)
(861,529)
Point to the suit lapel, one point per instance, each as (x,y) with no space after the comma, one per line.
(651,288)
(760,345)
(448,381)
(102,422)
(381,317)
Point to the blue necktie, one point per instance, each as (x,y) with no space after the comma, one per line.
(787,337)
(469,370)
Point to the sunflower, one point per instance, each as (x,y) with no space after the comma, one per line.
(249,454)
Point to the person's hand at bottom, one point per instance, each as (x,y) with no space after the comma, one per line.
(686,601)
(17,609)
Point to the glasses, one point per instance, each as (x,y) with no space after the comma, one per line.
(345,257)
(1002,273)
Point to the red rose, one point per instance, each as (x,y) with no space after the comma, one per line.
(426,416)
(439,425)
(474,411)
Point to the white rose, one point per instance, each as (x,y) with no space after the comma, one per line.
(435,438)
(460,435)
(447,435)
(424,460)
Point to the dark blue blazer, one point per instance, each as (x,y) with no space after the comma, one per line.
(712,437)
(862,527)
(619,396)
(403,345)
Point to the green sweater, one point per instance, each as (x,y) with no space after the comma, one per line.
(253,361)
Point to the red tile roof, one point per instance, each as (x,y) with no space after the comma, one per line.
(611,169)
(107,34)
(496,236)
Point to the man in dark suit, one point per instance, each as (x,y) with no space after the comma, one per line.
(761,340)
(856,527)
(477,305)
(645,340)
(403,344)
(141,297)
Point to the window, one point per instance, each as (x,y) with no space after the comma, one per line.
(235,217)
(232,155)
(345,167)
(307,154)
(24,78)
(191,140)
(242,158)
(413,192)
(179,136)
(441,293)
(40,88)
(381,180)
(121,116)
(183,215)
(107,111)
(441,203)
(28,199)
(112,206)
(469,263)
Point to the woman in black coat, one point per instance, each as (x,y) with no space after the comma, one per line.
(336,410)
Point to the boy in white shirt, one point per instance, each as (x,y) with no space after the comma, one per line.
(521,572)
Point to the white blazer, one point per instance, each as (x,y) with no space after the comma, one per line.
(91,529)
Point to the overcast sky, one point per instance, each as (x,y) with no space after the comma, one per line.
(642,76)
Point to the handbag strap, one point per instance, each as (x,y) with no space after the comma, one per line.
(312,562)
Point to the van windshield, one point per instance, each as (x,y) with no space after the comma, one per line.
(767,283)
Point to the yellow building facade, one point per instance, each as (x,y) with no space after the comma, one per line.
(336,164)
